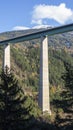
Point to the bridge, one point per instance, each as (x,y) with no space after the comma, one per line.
(43,99)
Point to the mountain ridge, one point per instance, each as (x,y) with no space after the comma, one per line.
(64,39)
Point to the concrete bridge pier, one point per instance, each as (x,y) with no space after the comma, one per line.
(6,57)
(44,101)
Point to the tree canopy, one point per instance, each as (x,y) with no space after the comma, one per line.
(13,114)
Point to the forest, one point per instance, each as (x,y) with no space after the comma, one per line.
(19,108)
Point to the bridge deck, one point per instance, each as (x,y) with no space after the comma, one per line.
(38,34)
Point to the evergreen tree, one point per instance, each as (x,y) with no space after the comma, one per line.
(68,76)
(13,114)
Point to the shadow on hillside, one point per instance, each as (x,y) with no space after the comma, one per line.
(41,125)
(30,124)
(65,122)
(33,124)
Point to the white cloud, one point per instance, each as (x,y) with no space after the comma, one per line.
(60,13)
(20,28)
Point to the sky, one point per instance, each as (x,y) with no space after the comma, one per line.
(26,14)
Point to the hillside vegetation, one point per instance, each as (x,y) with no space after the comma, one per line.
(25,64)
(25,56)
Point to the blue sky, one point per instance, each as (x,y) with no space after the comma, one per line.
(24,14)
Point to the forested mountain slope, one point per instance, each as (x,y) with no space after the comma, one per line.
(25,57)
(25,64)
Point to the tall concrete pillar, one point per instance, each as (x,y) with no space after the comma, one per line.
(44,101)
(6,58)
